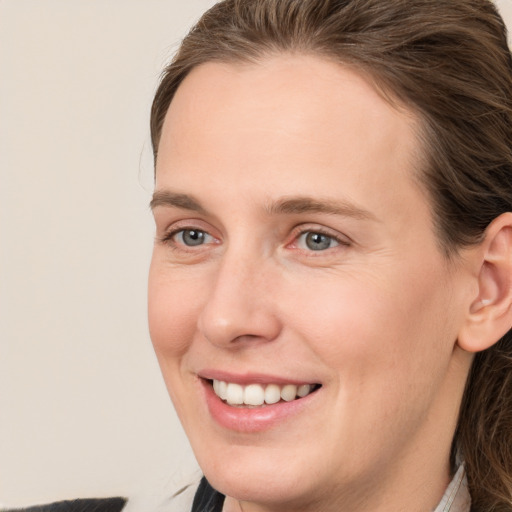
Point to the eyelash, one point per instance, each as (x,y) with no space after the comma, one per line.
(339,241)
(169,239)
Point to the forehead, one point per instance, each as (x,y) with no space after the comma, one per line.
(284,94)
(293,121)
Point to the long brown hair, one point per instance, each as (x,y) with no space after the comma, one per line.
(449,62)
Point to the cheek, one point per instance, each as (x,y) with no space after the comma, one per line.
(373,325)
(172,314)
(387,345)
(172,317)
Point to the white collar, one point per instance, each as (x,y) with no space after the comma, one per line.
(456,497)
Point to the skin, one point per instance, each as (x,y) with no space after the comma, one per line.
(374,318)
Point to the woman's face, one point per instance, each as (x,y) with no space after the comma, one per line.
(295,255)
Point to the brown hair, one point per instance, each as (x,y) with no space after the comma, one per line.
(448,61)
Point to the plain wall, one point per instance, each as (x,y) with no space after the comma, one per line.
(83,408)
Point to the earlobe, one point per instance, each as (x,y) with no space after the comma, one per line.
(490,313)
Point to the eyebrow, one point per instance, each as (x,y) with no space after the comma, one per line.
(174,199)
(285,206)
(301,204)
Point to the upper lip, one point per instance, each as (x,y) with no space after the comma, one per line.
(251,378)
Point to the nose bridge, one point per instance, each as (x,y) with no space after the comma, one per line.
(240,305)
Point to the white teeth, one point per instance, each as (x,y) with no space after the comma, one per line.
(223,390)
(272,394)
(257,394)
(304,390)
(234,394)
(289,392)
(254,395)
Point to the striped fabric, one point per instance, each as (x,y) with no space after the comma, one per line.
(83,505)
(207,499)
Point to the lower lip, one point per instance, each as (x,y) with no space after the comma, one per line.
(254,419)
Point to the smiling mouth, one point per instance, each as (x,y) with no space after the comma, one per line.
(258,395)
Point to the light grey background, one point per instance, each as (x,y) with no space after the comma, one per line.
(83,409)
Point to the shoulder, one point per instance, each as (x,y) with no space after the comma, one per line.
(82,505)
(195,496)
(180,499)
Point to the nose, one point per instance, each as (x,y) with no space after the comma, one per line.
(241,305)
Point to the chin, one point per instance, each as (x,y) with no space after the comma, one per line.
(264,475)
(254,485)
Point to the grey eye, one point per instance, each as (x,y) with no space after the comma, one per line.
(192,237)
(316,241)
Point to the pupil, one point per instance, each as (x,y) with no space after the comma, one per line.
(193,237)
(317,241)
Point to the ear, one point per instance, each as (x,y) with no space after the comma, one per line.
(490,314)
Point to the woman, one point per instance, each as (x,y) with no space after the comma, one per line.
(330,295)
(333,254)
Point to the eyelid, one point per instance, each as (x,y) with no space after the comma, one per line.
(175,233)
(183,225)
(303,239)
(341,239)
(169,235)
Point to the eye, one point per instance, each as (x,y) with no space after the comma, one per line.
(192,237)
(316,241)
